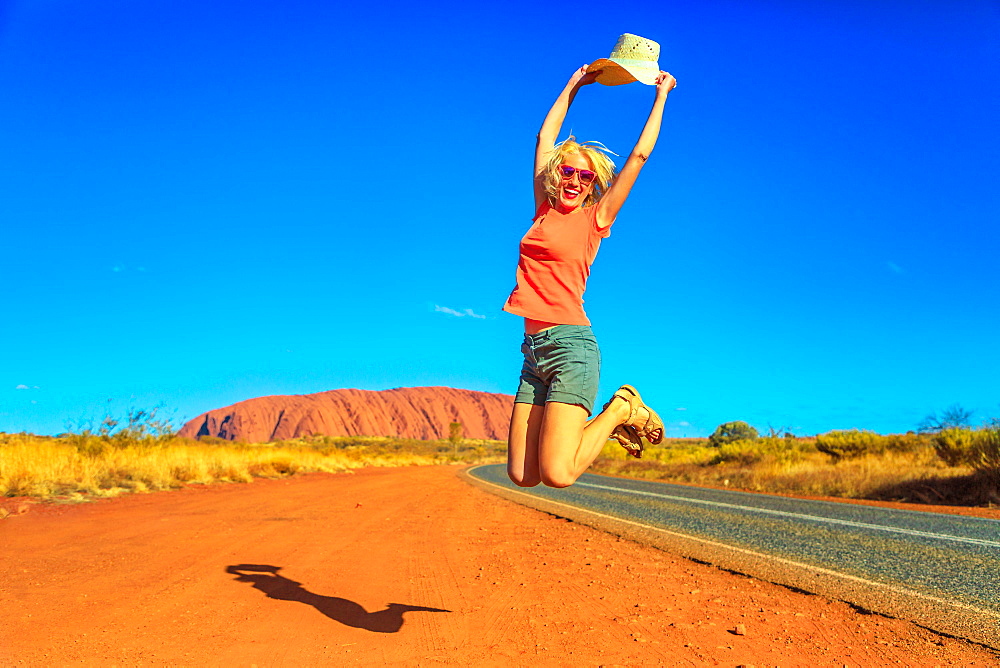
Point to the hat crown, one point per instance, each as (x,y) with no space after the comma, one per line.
(633,47)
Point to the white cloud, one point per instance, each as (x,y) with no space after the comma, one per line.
(22,387)
(895,268)
(680,409)
(683,424)
(459,314)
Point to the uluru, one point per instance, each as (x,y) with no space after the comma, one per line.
(404,412)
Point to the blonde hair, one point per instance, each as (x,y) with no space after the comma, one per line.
(596,154)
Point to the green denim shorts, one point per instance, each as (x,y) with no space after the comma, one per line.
(563,364)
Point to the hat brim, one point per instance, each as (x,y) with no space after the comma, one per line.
(615,72)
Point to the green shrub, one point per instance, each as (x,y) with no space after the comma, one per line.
(730,432)
(744,453)
(215,440)
(956,446)
(851,443)
(988,447)
(978,448)
(908,442)
(774,449)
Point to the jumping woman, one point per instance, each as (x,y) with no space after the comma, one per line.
(577,197)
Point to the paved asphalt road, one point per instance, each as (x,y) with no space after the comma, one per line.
(940,570)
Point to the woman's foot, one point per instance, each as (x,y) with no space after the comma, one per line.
(642,418)
(621,407)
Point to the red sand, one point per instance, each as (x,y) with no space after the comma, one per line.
(302,571)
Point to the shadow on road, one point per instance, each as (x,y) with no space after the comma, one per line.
(266,579)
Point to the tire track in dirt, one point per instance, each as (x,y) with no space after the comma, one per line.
(501,617)
(431,638)
(434,583)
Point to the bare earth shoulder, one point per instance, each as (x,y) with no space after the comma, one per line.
(397,566)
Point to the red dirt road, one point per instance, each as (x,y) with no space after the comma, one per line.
(329,570)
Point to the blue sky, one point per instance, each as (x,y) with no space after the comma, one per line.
(204,202)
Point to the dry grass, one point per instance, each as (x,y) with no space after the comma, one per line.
(78,467)
(795,466)
(83,466)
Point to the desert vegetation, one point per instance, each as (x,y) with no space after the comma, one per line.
(953,465)
(947,462)
(141,453)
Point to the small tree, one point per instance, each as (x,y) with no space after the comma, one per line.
(729,432)
(953,417)
(780,432)
(455,435)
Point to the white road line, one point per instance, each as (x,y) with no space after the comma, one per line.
(761,555)
(798,516)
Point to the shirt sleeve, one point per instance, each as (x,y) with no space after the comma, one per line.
(543,208)
(606,232)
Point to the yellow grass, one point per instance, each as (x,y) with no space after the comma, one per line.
(82,466)
(778,465)
(77,467)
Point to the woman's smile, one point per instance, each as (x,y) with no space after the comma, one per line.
(572,192)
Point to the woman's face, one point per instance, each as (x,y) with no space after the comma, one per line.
(573,191)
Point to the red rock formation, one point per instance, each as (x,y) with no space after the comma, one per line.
(405,412)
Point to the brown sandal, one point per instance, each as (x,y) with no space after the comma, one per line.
(626,434)
(629,439)
(652,427)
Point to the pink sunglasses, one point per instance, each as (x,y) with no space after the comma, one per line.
(586,176)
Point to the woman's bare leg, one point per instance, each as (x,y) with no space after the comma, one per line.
(568,444)
(522,444)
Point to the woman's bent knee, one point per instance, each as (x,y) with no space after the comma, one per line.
(521,479)
(558,479)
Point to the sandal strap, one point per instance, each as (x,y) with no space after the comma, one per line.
(629,439)
(628,398)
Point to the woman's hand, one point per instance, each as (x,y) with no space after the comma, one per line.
(582,77)
(665,83)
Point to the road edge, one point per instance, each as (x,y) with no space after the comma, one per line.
(939,615)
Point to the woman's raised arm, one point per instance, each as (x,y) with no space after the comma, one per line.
(551,126)
(609,205)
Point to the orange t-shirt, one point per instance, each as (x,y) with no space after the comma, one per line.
(552,271)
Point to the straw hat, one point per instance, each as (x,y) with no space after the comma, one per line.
(633,59)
